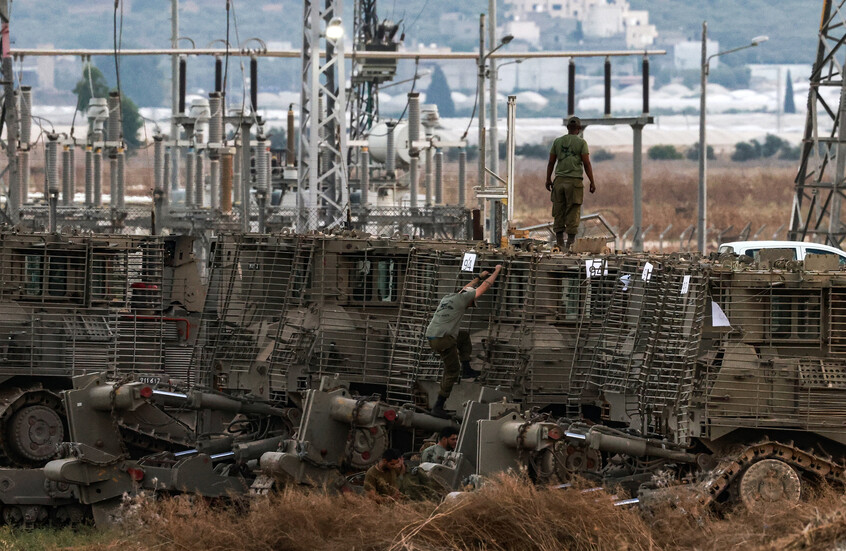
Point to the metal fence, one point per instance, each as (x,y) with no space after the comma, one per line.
(74,305)
(442,222)
(554,330)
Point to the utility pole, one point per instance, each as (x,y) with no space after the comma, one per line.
(14,187)
(701,227)
(174,95)
(482,177)
(494,131)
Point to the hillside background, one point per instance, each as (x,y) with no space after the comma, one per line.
(791,25)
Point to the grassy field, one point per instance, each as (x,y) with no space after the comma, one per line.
(738,193)
(756,192)
(507,514)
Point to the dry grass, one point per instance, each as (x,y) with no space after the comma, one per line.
(507,514)
(756,192)
(738,193)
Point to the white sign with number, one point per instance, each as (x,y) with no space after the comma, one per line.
(595,267)
(469,262)
(647,272)
(685,285)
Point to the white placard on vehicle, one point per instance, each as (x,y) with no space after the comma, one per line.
(685,285)
(469,262)
(647,272)
(595,267)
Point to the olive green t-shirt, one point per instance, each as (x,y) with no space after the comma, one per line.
(447,317)
(568,151)
(384,483)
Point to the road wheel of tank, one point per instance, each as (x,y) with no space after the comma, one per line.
(71,514)
(580,459)
(769,484)
(12,515)
(34,433)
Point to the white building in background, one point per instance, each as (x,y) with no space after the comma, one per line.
(639,33)
(528,31)
(688,55)
(599,18)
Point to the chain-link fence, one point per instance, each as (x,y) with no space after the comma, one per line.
(443,222)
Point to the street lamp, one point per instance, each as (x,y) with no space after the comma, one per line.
(483,58)
(495,73)
(334,29)
(701,230)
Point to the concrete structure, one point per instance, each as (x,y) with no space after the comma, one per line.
(599,18)
(527,31)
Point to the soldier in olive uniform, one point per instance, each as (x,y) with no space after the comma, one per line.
(382,479)
(452,344)
(567,157)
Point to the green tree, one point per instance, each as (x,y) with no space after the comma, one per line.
(278,137)
(664,153)
(93,81)
(693,153)
(144,78)
(601,155)
(789,103)
(440,94)
(131,123)
(746,151)
(772,145)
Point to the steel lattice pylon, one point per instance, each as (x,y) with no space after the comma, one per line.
(820,187)
(365,100)
(323,132)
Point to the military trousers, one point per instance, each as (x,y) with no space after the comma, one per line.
(453,351)
(567,196)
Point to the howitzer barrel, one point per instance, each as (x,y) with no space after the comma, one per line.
(365,413)
(205,400)
(637,447)
(528,436)
(424,421)
(350,410)
(221,447)
(254,450)
(108,397)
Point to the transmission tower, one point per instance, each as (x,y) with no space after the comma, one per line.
(323,132)
(368,74)
(820,186)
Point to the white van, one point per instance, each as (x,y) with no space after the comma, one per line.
(800,248)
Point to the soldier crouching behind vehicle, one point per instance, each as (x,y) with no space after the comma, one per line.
(390,480)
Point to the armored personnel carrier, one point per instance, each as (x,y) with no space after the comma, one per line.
(716,375)
(648,363)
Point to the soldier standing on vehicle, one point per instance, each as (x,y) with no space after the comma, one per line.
(567,157)
(452,344)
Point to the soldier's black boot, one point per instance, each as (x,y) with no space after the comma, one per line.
(468,372)
(559,239)
(438,409)
(571,238)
